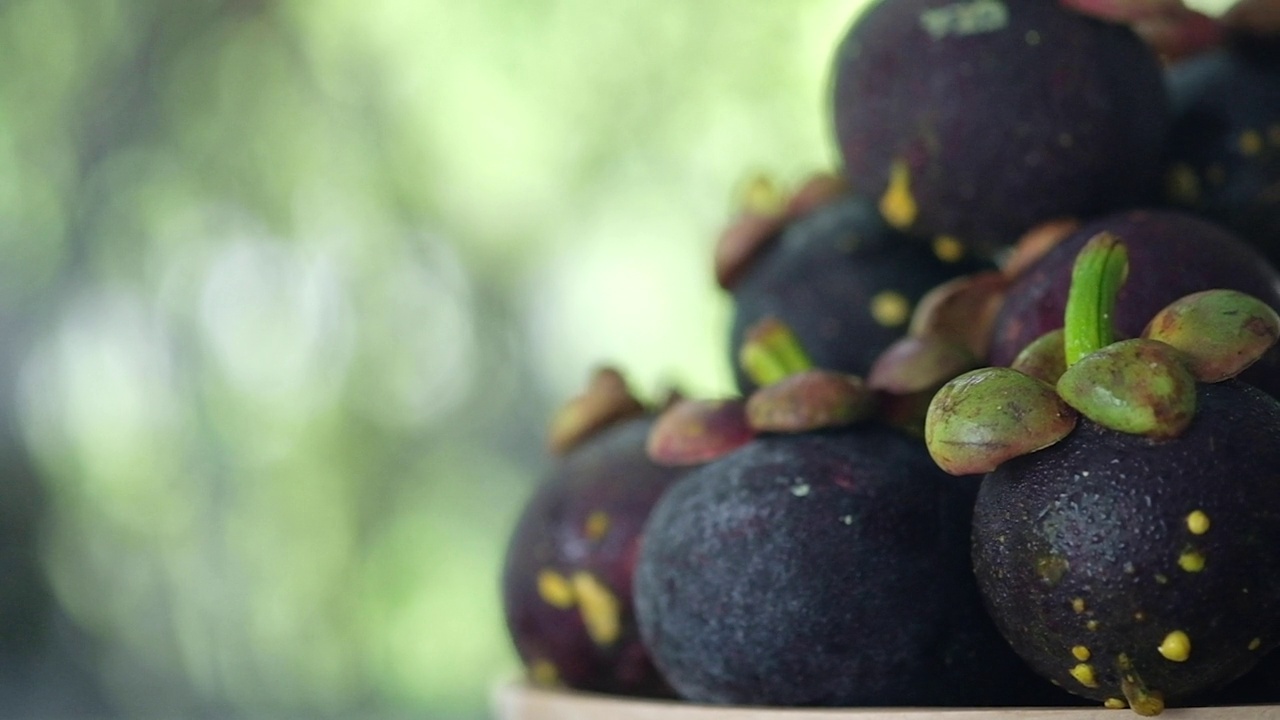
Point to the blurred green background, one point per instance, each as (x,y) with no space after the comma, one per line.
(288,289)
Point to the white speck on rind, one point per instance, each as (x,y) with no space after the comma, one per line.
(846,519)
(800,490)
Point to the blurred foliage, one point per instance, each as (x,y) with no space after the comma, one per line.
(288,290)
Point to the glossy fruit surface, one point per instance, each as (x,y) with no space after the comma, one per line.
(823,569)
(570,562)
(1111,559)
(979,119)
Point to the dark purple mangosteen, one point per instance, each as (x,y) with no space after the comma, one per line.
(823,563)
(1224,151)
(566,583)
(1127,535)
(843,280)
(979,119)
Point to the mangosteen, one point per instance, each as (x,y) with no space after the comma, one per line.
(1224,150)
(1178,253)
(977,119)
(1173,30)
(823,563)
(1127,535)
(843,280)
(567,577)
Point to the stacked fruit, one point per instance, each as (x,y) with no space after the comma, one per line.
(1017,190)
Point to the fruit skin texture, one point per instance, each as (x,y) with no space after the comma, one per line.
(570,563)
(826,568)
(1009,113)
(1173,254)
(844,282)
(1224,150)
(1107,537)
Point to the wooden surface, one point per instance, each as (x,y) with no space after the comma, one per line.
(516,701)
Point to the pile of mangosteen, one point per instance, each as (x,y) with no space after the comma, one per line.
(1007,431)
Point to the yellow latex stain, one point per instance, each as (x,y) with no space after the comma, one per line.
(948,249)
(597,525)
(760,195)
(897,205)
(599,608)
(1083,673)
(555,590)
(1250,143)
(1191,561)
(1255,643)
(1176,646)
(1183,184)
(1114,704)
(1080,652)
(890,309)
(1198,522)
(544,673)
(1077,604)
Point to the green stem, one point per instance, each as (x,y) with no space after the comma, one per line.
(772,352)
(1099,273)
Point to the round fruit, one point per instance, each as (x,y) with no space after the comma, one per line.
(978,119)
(827,568)
(569,566)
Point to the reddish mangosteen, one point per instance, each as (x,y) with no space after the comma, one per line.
(977,119)
(569,565)
(1179,254)
(824,562)
(832,270)
(1127,535)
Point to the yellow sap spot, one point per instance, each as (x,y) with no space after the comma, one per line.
(1250,142)
(1176,646)
(1083,673)
(1255,643)
(544,672)
(890,309)
(555,590)
(1080,652)
(897,204)
(1191,560)
(597,525)
(760,195)
(1182,184)
(1115,704)
(1077,604)
(599,608)
(947,248)
(1198,522)
(1092,625)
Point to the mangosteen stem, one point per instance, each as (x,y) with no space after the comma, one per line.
(772,352)
(1100,271)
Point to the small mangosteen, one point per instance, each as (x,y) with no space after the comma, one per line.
(1224,150)
(1127,535)
(567,578)
(1178,253)
(833,270)
(823,563)
(977,119)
